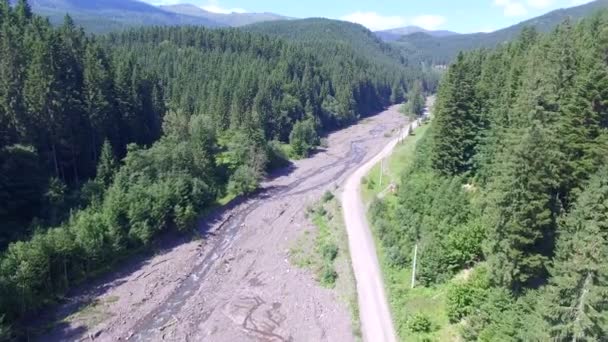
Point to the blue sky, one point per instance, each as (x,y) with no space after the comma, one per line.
(456,15)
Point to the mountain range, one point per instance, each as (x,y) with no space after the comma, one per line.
(396,33)
(228,19)
(441,50)
(107,15)
(414,43)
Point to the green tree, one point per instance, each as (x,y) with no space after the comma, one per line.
(107,165)
(523,210)
(456,119)
(416,102)
(303,138)
(576,298)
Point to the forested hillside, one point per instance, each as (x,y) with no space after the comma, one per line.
(110,141)
(335,40)
(511,183)
(443,50)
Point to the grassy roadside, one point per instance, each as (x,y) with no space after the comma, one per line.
(394,166)
(410,307)
(325,252)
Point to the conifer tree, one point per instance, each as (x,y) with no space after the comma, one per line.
(523,210)
(577,297)
(107,165)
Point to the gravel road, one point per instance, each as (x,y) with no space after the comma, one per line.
(376,320)
(236,283)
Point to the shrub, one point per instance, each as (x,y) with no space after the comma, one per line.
(328,196)
(329,252)
(371,184)
(244,181)
(460,299)
(277,158)
(396,257)
(420,323)
(328,275)
(321,211)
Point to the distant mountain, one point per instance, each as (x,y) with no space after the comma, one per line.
(442,50)
(107,15)
(232,19)
(396,33)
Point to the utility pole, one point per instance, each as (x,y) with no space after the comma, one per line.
(414,266)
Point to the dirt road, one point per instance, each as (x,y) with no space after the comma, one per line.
(236,283)
(376,320)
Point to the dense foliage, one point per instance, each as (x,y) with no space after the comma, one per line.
(513,173)
(341,44)
(109,141)
(61,96)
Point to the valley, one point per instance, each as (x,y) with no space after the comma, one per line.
(232,171)
(237,283)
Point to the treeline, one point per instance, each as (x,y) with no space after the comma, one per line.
(109,141)
(513,182)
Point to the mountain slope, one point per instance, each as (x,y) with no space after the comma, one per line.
(396,33)
(107,15)
(329,32)
(231,19)
(441,50)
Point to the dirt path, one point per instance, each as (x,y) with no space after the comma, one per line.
(376,320)
(237,283)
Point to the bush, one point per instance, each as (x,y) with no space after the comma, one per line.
(396,257)
(328,196)
(321,211)
(460,299)
(244,181)
(377,209)
(371,184)
(328,275)
(420,323)
(277,158)
(329,252)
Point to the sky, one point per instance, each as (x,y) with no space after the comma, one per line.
(462,16)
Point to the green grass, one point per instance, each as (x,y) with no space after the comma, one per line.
(406,302)
(394,166)
(94,313)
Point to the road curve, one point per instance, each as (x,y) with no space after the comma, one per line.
(376,320)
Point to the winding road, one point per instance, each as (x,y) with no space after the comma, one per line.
(376,320)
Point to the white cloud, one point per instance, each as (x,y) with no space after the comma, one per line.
(540,4)
(378,22)
(511,8)
(214,6)
(375,21)
(429,22)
